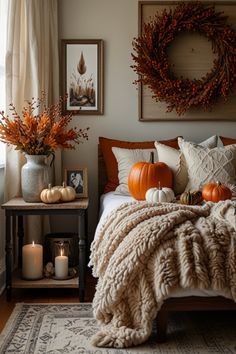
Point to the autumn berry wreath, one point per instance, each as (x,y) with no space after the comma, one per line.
(154,69)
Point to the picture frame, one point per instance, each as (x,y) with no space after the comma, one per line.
(78,179)
(82,76)
(198,60)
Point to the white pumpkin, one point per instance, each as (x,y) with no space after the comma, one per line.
(50,195)
(164,194)
(67,193)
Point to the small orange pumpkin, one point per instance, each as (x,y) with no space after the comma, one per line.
(215,192)
(146,175)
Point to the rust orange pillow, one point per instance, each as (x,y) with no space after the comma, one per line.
(227,141)
(106,145)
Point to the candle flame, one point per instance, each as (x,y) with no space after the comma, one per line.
(33,244)
(61,252)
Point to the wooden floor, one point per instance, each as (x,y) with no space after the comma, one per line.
(43,295)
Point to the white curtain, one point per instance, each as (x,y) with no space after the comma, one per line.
(32,66)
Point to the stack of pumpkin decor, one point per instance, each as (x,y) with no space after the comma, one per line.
(147,176)
(211,192)
(153,182)
(57,194)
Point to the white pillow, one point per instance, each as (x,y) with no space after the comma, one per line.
(125,160)
(176,161)
(209,165)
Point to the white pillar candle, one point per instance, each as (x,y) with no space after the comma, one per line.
(32,261)
(61,266)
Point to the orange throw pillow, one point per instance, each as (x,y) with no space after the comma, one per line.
(227,141)
(110,160)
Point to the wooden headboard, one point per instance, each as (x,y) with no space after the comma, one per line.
(102,175)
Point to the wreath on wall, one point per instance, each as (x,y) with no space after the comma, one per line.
(154,69)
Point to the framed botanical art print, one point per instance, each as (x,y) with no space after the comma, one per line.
(82,76)
(78,179)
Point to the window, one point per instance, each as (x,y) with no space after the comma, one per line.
(3,21)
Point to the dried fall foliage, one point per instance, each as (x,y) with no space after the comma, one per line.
(152,65)
(42,133)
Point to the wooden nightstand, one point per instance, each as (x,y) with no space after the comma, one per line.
(17,207)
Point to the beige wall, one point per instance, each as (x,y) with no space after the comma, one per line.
(116,22)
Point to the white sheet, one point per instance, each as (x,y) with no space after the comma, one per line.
(110,201)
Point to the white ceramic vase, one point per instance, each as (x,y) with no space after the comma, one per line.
(35,176)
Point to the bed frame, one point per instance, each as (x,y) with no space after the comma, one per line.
(191,303)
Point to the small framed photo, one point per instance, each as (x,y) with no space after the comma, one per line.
(78,179)
(82,76)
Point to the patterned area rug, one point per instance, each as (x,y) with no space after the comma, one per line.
(67,328)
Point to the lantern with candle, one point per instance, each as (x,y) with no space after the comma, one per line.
(32,261)
(53,243)
(61,264)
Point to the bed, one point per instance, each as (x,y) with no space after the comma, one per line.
(190,300)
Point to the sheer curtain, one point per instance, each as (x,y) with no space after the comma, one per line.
(3,21)
(32,65)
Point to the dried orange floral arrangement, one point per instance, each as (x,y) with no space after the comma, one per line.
(151,59)
(43,133)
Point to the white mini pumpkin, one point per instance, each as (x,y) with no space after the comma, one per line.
(50,195)
(164,194)
(67,193)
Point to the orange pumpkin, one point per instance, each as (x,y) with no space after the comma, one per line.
(215,192)
(146,175)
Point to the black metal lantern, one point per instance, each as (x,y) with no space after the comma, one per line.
(55,242)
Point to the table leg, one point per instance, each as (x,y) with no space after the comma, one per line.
(20,235)
(8,255)
(86,234)
(82,254)
(13,235)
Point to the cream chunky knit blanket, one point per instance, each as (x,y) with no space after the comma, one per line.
(144,252)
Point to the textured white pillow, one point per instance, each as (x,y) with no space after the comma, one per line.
(125,160)
(209,165)
(176,161)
